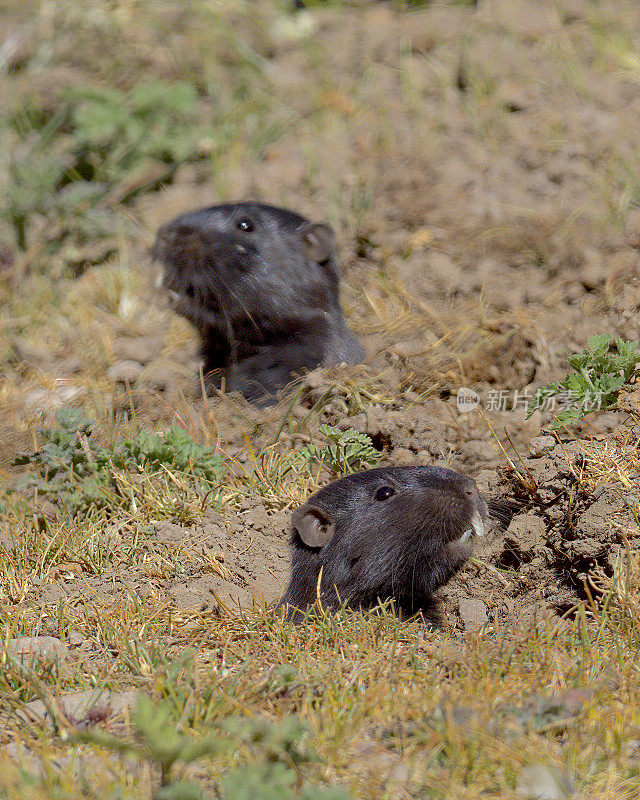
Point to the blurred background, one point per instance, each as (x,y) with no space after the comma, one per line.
(479,162)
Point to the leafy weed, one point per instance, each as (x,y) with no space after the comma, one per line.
(75,471)
(347,452)
(597,378)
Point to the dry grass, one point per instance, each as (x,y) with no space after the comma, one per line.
(393,710)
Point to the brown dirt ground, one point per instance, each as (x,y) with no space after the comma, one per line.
(497,238)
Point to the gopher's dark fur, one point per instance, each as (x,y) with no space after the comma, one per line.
(261,285)
(388,533)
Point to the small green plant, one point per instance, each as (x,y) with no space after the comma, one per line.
(174,448)
(273,781)
(115,132)
(159,740)
(74,470)
(348,451)
(598,375)
(101,148)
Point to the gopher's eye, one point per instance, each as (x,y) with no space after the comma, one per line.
(385,492)
(244,224)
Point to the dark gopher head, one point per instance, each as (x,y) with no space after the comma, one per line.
(388,533)
(247,267)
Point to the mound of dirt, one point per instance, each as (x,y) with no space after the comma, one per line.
(555,523)
(231,560)
(560,514)
(562,519)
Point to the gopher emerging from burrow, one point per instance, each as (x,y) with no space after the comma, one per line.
(261,285)
(390,533)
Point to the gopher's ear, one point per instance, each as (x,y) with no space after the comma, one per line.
(319,241)
(313,526)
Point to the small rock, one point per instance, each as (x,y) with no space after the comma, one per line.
(44,400)
(81,704)
(408,349)
(539,782)
(404,457)
(169,533)
(83,708)
(36,648)
(142,349)
(525,533)
(124,371)
(314,379)
(121,701)
(33,353)
(162,375)
(541,446)
(91,706)
(604,423)
(473,613)
(68,366)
